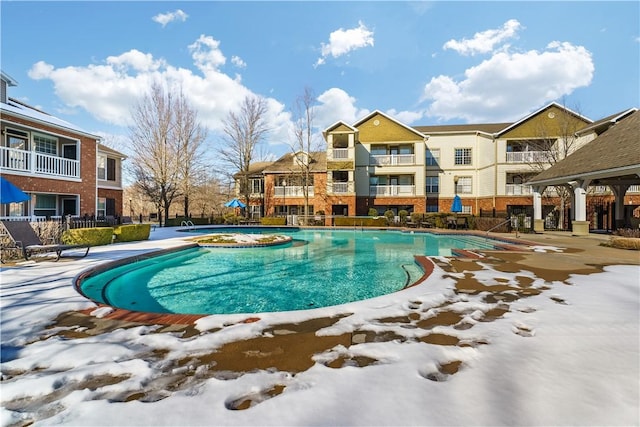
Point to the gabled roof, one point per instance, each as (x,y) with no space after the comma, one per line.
(488,128)
(338,124)
(7,78)
(111,151)
(378,112)
(285,164)
(535,113)
(15,108)
(614,152)
(602,125)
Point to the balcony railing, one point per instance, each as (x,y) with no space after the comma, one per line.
(341,187)
(340,153)
(518,190)
(12,159)
(392,190)
(529,157)
(392,159)
(292,191)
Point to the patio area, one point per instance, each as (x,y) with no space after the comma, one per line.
(496,340)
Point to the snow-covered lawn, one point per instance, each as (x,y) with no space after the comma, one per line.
(478,343)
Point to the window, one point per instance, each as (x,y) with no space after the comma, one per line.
(106,168)
(101,209)
(45,205)
(433,157)
(254,211)
(256,186)
(45,144)
(433,184)
(432,208)
(463,156)
(102,167)
(464,185)
(17,139)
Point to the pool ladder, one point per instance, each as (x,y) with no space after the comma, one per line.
(188,224)
(500,225)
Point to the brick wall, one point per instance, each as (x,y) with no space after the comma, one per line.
(86,189)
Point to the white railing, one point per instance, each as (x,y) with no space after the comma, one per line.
(518,190)
(30,218)
(292,191)
(392,190)
(529,157)
(392,159)
(634,189)
(341,187)
(38,163)
(340,153)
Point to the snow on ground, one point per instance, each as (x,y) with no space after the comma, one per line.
(566,356)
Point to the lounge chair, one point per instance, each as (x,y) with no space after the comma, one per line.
(26,239)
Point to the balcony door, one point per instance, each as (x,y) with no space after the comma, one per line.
(70,151)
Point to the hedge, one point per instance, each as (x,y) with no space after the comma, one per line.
(91,236)
(364,222)
(273,221)
(132,232)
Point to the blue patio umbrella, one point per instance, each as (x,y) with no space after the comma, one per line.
(235,203)
(9,193)
(456,206)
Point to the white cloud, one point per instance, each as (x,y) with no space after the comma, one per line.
(109,90)
(341,42)
(238,62)
(507,85)
(406,117)
(485,41)
(165,18)
(136,60)
(337,105)
(206,54)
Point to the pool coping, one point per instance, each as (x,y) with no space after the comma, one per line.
(425,262)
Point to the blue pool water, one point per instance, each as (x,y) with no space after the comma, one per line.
(318,268)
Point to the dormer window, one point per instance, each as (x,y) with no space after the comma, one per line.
(301,159)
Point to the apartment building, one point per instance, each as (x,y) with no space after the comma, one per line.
(65,170)
(381,163)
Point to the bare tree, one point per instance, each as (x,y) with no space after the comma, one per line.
(190,137)
(556,138)
(166,140)
(304,145)
(243,132)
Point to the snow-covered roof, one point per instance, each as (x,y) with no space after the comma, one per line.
(16,108)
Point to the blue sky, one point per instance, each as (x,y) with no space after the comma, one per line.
(423,63)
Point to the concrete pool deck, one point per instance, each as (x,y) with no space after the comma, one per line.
(290,343)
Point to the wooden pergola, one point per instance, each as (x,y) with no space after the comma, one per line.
(612,159)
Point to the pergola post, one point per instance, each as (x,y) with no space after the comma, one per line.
(619,192)
(538,222)
(580,225)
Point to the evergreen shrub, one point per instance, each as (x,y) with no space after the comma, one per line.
(92,236)
(132,232)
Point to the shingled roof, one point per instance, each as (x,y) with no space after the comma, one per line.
(615,152)
(464,128)
(285,164)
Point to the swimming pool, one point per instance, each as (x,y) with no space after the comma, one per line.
(318,268)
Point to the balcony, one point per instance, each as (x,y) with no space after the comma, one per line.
(341,187)
(292,191)
(529,157)
(392,159)
(392,190)
(35,163)
(339,153)
(518,190)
